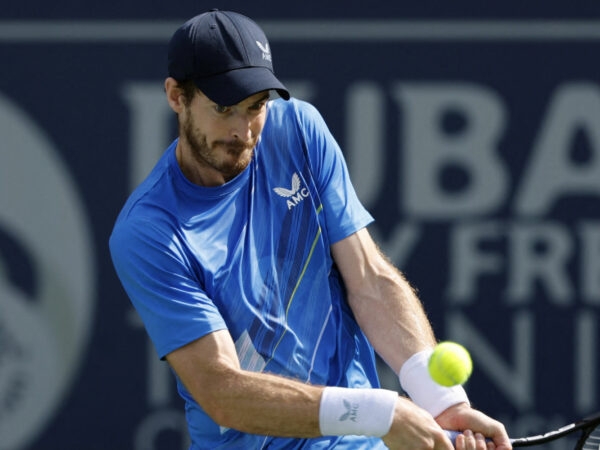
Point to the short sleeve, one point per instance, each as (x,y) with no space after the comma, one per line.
(344,213)
(162,285)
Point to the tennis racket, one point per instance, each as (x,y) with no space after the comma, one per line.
(588,430)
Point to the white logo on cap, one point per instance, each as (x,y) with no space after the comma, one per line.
(265,49)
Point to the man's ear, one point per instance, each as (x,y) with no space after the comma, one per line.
(174,95)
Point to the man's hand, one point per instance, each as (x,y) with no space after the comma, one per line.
(414,428)
(475,425)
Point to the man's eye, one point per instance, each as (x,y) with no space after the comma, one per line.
(258,106)
(221,109)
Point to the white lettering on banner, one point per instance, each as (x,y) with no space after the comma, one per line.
(468,261)
(428,149)
(540,253)
(527,254)
(550,175)
(574,108)
(561,260)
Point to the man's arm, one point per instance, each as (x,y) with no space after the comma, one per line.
(384,304)
(393,319)
(261,403)
(266,404)
(257,403)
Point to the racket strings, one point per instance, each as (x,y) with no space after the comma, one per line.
(591,440)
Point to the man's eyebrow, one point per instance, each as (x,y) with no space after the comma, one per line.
(263,98)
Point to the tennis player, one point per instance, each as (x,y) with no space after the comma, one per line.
(246,254)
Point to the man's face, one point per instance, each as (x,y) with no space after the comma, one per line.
(221,139)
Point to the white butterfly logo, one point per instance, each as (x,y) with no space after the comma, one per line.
(289,192)
(266,50)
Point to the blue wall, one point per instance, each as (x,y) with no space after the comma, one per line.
(472,132)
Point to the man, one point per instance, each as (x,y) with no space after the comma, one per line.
(246,254)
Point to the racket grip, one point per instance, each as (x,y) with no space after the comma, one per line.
(452,436)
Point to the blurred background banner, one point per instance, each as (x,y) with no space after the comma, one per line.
(472,133)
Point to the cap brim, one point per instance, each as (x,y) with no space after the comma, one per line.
(230,88)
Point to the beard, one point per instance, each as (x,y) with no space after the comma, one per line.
(230,158)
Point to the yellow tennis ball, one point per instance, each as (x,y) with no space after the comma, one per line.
(450,364)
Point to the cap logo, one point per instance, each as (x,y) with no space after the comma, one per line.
(266,50)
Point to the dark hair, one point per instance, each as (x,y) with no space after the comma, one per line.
(188,87)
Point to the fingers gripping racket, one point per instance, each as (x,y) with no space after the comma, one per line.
(588,430)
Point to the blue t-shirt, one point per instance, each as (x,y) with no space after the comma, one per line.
(252,256)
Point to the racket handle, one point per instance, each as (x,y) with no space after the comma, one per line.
(452,436)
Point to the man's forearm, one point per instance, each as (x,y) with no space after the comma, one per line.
(260,403)
(384,304)
(393,319)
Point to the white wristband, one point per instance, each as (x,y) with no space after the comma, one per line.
(426,393)
(366,412)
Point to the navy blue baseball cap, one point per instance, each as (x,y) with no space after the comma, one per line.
(226,54)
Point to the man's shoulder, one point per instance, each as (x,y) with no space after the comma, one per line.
(293,107)
(148,199)
(294,113)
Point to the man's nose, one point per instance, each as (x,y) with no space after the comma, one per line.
(240,127)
